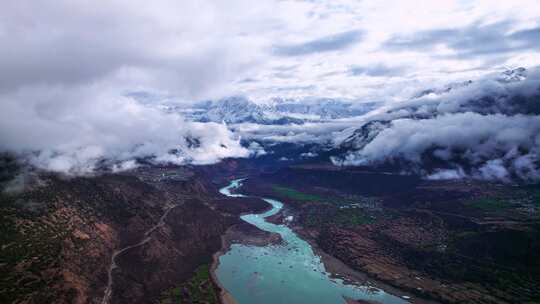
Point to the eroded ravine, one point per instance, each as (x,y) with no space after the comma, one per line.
(289,272)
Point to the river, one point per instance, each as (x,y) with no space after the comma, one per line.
(285,273)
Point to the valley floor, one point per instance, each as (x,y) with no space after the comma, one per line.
(450,242)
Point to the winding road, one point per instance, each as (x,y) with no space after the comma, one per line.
(109,290)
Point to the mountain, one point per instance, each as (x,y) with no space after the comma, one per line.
(513,75)
(231,110)
(238,109)
(364,135)
(486,129)
(61,237)
(505,77)
(445,89)
(323,108)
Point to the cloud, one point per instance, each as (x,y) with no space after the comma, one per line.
(79,81)
(321,133)
(493,145)
(447,174)
(162,46)
(376,70)
(408,138)
(328,43)
(83,129)
(473,40)
(529,37)
(445,41)
(74,75)
(488,129)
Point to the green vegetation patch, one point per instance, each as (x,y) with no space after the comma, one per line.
(489,204)
(297,195)
(198,289)
(536,198)
(313,220)
(348,218)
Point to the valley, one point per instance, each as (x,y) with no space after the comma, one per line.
(122,238)
(270,152)
(448,241)
(161,234)
(287,272)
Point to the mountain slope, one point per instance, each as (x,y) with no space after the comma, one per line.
(485,129)
(236,109)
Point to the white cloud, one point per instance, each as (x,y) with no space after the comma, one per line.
(78,129)
(197,49)
(494,146)
(446,174)
(67,67)
(328,73)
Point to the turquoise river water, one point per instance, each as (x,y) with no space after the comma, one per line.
(286,273)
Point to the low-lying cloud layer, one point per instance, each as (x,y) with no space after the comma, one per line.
(486,129)
(79,81)
(67,69)
(81,129)
(493,146)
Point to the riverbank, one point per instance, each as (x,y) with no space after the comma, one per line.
(335,266)
(340,270)
(224,296)
(257,271)
(448,241)
(245,234)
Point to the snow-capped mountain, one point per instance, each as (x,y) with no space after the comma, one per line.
(364,135)
(231,110)
(239,109)
(322,108)
(488,128)
(513,75)
(507,76)
(445,89)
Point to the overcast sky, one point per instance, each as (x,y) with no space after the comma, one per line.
(204,49)
(69,69)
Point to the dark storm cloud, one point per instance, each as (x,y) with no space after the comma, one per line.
(324,44)
(470,41)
